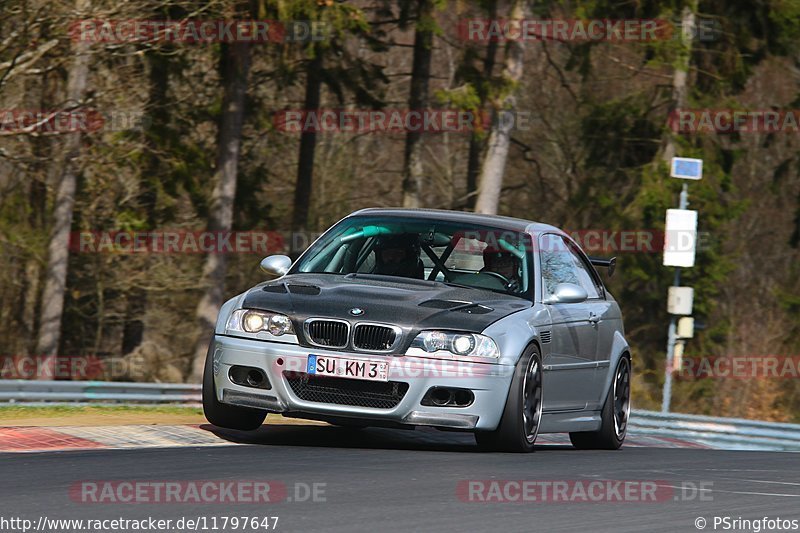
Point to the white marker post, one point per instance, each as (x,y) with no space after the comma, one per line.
(680,238)
(680,246)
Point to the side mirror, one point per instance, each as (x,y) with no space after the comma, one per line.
(568,293)
(276,265)
(610,264)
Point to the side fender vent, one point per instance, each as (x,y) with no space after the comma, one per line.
(544,336)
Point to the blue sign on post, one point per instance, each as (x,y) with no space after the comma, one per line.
(686,168)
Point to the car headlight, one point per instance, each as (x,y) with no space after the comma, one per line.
(468,344)
(252,321)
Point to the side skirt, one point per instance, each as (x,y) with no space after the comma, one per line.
(568,421)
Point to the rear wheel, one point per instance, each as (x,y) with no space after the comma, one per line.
(519,425)
(614,416)
(223,415)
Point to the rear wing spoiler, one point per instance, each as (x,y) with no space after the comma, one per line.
(610,264)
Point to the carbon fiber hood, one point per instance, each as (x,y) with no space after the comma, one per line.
(413,305)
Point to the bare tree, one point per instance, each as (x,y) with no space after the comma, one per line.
(491,179)
(235,63)
(308,143)
(680,75)
(417,100)
(477,142)
(58,248)
(159,112)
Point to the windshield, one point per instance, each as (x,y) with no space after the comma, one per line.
(415,248)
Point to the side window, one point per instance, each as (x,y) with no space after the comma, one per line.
(561,263)
(558,265)
(585,277)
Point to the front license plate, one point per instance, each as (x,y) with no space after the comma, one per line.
(341,367)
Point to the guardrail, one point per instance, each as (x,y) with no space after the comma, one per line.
(712,431)
(27,391)
(718,432)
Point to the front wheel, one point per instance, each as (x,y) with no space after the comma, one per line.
(519,424)
(223,415)
(614,417)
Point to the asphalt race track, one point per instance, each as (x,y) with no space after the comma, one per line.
(395,480)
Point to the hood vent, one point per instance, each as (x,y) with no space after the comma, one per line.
(279,289)
(311,290)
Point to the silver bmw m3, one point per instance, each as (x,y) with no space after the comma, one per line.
(412,317)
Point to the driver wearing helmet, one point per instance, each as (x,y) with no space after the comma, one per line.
(398,255)
(506,265)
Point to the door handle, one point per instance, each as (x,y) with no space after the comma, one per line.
(594,319)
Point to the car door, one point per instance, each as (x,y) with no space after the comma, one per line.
(603,316)
(570,360)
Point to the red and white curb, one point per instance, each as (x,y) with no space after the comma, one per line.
(41,439)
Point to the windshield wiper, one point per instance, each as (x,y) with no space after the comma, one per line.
(451,284)
(459,285)
(388,278)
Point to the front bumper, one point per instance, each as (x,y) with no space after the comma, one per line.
(488,382)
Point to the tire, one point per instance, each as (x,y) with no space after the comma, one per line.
(223,415)
(522,415)
(616,411)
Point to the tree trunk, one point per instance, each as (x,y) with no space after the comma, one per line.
(308,143)
(680,76)
(491,180)
(158,109)
(418,101)
(477,142)
(45,150)
(235,65)
(58,248)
